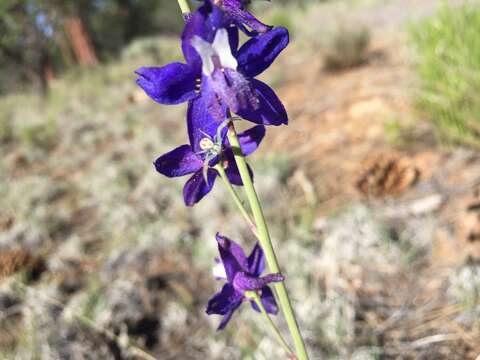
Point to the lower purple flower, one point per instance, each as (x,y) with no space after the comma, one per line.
(242,274)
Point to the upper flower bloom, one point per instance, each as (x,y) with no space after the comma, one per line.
(217,76)
(203,148)
(242,274)
(241,17)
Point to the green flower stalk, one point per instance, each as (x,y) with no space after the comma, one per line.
(266,243)
(218,79)
(253,295)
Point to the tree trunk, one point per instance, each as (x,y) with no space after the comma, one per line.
(80,40)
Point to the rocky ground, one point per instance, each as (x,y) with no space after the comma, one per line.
(377,225)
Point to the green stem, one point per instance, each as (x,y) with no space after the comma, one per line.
(184,7)
(236,199)
(263,235)
(266,243)
(253,295)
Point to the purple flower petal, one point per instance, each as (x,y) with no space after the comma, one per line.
(251,139)
(268,301)
(232,255)
(178,162)
(232,171)
(204,23)
(223,301)
(258,53)
(171,84)
(256,261)
(228,316)
(200,123)
(270,110)
(233,174)
(196,187)
(232,92)
(242,275)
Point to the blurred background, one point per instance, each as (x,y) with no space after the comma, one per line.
(372,192)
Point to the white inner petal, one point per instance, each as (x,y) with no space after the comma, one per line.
(221,46)
(206,52)
(219,271)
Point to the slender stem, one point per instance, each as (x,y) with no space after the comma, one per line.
(263,235)
(236,199)
(184,8)
(266,243)
(253,295)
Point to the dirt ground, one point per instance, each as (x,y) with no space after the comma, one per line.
(120,248)
(356,136)
(356,133)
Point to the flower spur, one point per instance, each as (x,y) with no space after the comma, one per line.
(236,10)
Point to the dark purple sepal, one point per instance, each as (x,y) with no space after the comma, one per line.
(178,162)
(196,188)
(270,110)
(258,53)
(218,94)
(250,139)
(268,301)
(223,301)
(232,255)
(256,261)
(232,171)
(228,315)
(200,122)
(170,84)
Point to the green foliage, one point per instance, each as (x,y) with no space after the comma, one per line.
(24,45)
(115,23)
(347,48)
(403,132)
(447,46)
(160,49)
(34,41)
(6,128)
(42,136)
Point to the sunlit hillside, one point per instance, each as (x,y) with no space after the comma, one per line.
(372,195)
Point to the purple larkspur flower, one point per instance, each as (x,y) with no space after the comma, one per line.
(190,159)
(242,274)
(236,10)
(217,75)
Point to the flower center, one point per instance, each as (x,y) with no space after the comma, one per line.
(241,282)
(216,55)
